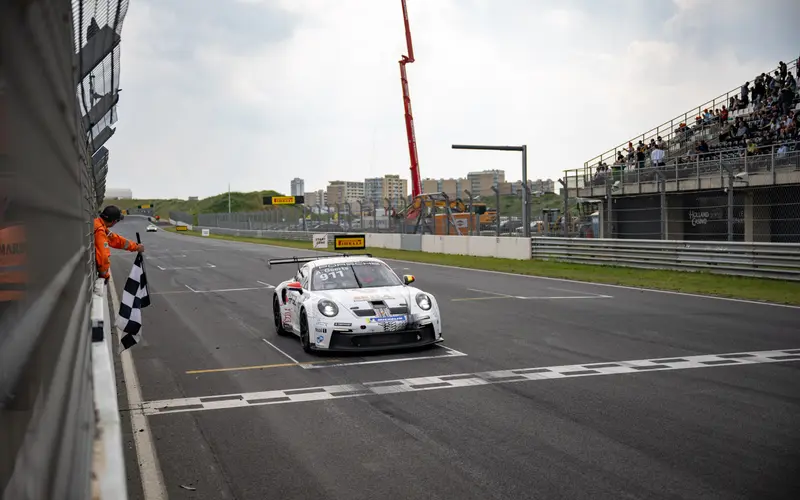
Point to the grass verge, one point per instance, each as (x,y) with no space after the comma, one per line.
(781,292)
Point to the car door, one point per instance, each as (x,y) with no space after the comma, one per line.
(294,300)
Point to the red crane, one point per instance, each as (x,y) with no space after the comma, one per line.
(416,184)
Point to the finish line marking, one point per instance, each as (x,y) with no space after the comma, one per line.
(324,393)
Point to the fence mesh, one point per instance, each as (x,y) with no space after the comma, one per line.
(49,191)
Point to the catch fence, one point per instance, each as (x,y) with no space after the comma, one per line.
(59,62)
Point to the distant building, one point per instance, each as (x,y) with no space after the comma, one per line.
(193,198)
(544,186)
(373,190)
(391,186)
(345,191)
(119,194)
(481,183)
(297,187)
(313,198)
(453,188)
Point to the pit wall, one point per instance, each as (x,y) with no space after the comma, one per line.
(476,246)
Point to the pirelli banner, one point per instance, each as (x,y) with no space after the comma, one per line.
(181,228)
(349,241)
(284,200)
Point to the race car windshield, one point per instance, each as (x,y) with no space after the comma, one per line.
(353,275)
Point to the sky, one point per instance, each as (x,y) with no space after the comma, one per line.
(252,93)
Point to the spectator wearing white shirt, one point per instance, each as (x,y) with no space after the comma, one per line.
(657,156)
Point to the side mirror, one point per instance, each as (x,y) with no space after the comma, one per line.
(295,287)
(408,279)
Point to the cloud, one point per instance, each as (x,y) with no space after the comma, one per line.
(257,92)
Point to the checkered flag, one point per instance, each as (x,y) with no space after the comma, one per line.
(134,298)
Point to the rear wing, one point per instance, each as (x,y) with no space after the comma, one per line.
(304,260)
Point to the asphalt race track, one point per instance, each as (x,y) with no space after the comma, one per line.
(236,412)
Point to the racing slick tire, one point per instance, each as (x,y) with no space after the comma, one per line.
(276,312)
(305,340)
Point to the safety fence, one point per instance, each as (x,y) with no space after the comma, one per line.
(765,260)
(768,260)
(59,62)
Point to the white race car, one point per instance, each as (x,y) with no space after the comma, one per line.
(152,228)
(353,303)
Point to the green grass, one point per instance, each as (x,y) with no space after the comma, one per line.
(782,292)
(240,202)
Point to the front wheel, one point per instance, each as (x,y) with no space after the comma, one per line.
(305,341)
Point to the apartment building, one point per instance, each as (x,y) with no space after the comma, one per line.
(394,188)
(318,197)
(543,186)
(454,188)
(345,191)
(297,187)
(481,183)
(373,190)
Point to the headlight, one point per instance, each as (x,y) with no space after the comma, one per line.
(423,301)
(327,308)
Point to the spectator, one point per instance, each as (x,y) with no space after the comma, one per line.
(786,99)
(744,99)
(657,156)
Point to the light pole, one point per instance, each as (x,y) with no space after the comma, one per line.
(497,211)
(565,219)
(526,198)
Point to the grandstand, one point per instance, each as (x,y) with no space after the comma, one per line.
(747,139)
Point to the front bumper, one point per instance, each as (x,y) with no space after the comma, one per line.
(381,341)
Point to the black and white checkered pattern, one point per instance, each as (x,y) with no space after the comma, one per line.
(459,380)
(135,297)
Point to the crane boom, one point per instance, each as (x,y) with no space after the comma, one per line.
(416,184)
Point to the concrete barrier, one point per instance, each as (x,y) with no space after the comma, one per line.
(476,246)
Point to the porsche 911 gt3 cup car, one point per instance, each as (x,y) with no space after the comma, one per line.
(351,303)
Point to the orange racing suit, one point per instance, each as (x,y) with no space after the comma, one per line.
(103,239)
(13,259)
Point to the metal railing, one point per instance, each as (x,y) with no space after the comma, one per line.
(772,159)
(765,260)
(668,130)
(58,88)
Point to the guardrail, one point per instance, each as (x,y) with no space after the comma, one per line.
(763,260)
(108,465)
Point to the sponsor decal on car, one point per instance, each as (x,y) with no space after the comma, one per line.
(320,338)
(399,317)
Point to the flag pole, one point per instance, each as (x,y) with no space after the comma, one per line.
(139,241)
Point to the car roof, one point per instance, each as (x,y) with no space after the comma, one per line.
(329,261)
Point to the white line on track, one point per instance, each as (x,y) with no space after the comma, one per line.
(584,296)
(276,348)
(567,297)
(149,469)
(190,288)
(453,354)
(452,381)
(490,293)
(265,284)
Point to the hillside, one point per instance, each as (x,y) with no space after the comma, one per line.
(240,202)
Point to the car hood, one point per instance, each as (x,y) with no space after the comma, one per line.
(361,298)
